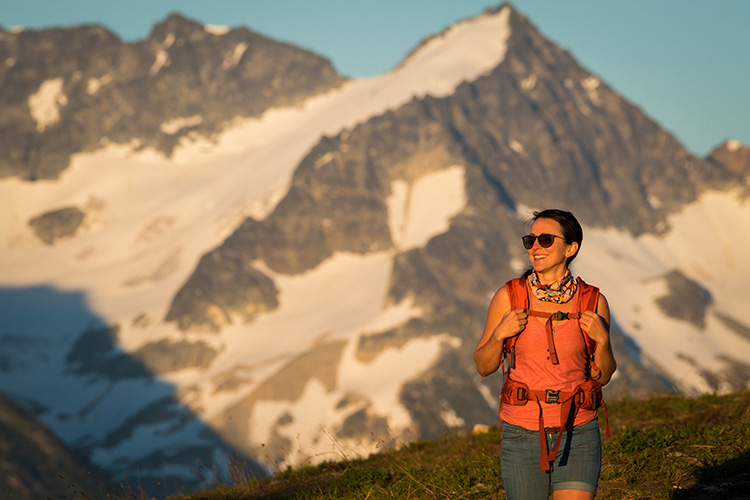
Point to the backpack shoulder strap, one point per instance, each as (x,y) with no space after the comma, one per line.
(589,297)
(517,293)
(588,300)
(518,297)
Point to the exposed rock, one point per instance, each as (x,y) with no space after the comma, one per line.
(686,299)
(58,224)
(225,283)
(740,328)
(97,354)
(362,423)
(165,356)
(75,89)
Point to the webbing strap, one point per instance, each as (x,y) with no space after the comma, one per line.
(566,403)
(559,316)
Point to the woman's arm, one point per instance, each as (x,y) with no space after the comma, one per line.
(501,324)
(596,326)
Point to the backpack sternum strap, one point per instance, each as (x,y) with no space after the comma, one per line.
(556,316)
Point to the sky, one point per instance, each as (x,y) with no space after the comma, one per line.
(686,63)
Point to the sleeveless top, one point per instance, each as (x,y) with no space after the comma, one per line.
(535,369)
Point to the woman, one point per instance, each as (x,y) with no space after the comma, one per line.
(549,364)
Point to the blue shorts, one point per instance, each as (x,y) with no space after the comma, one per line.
(576,466)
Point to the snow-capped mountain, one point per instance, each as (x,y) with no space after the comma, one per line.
(214,245)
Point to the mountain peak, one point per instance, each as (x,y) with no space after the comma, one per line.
(180,26)
(466,41)
(733,156)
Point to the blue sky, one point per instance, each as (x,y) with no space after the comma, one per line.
(686,63)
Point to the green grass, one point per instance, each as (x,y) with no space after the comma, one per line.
(667,447)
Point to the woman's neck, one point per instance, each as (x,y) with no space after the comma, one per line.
(551,275)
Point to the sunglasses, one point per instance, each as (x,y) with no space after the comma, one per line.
(545,240)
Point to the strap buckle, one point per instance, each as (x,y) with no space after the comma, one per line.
(559,316)
(553,397)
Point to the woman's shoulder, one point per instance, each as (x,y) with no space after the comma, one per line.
(501,299)
(602,305)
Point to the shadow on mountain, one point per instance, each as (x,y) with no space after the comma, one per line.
(63,362)
(729,479)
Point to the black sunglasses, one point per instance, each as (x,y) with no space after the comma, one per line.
(545,240)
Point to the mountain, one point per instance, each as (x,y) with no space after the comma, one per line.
(308,276)
(35,464)
(66,91)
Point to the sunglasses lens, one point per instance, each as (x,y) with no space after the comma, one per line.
(546,240)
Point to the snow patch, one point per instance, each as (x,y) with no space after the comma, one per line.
(529,82)
(216,29)
(162,59)
(451,419)
(479,43)
(94,84)
(171,127)
(733,145)
(591,86)
(162,56)
(233,58)
(424,209)
(46,102)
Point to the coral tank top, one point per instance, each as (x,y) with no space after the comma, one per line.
(535,369)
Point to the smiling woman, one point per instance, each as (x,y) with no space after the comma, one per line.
(560,365)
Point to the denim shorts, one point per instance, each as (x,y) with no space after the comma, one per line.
(576,466)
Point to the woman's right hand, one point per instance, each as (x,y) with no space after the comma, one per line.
(511,325)
(502,323)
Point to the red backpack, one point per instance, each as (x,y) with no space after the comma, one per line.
(587,395)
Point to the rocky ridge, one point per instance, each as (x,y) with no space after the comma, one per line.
(65,91)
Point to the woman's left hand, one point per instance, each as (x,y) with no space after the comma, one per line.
(595,327)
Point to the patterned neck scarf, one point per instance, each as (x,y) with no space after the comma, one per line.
(559,291)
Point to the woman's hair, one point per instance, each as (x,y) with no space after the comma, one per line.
(571,228)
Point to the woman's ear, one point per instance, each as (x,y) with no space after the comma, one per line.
(572,249)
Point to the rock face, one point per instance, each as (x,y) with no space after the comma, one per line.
(686,299)
(62,223)
(572,142)
(65,91)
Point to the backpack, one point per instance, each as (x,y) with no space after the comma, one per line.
(587,395)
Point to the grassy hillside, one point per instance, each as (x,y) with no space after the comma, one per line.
(668,447)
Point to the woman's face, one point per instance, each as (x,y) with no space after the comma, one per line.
(551,261)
